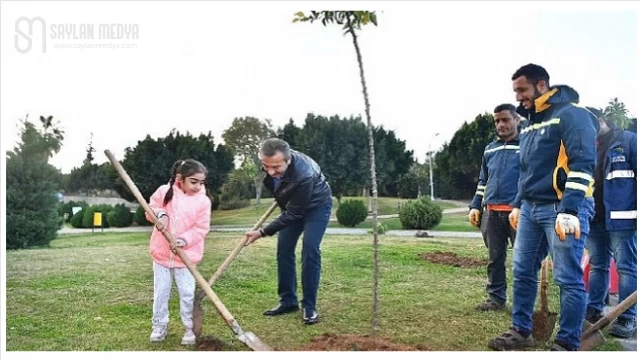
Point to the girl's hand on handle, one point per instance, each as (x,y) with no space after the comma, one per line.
(162,223)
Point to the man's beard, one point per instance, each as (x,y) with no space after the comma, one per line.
(536,94)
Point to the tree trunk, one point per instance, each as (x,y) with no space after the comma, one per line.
(376,270)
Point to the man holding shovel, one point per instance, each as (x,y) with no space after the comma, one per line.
(304,196)
(613,230)
(553,207)
(497,188)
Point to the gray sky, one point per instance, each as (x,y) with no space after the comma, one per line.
(195,66)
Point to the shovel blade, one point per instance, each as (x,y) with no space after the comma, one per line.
(592,341)
(543,325)
(198,313)
(253,342)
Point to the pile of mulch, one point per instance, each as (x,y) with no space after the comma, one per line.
(452,259)
(333,342)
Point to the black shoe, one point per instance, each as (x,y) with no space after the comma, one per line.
(624,328)
(281,309)
(512,340)
(490,305)
(310,316)
(561,346)
(593,315)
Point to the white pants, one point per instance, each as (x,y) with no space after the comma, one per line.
(162,290)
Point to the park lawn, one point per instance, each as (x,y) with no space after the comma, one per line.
(458,222)
(249,215)
(95,292)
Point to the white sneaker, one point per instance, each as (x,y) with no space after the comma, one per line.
(189,338)
(159,333)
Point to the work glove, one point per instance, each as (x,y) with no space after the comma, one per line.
(514,217)
(474,217)
(567,224)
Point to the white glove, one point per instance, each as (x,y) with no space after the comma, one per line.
(567,224)
(181,243)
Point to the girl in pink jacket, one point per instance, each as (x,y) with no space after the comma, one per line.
(183,208)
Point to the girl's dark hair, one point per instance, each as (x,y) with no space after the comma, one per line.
(185,168)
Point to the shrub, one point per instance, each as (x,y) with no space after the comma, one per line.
(351,213)
(76,220)
(87,220)
(121,216)
(140,218)
(382,229)
(422,214)
(65,210)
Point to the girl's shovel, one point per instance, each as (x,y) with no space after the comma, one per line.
(247,338)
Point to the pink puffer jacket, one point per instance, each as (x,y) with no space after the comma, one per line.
(189,220)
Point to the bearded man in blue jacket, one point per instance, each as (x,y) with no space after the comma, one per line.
(553,207)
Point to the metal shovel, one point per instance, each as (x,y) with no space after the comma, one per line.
(592,336)
(543,321)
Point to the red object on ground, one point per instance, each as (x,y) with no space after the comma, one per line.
(613,274)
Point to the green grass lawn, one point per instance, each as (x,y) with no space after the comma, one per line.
(95,292)
(449,222)
(249,215)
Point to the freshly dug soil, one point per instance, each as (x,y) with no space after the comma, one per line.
(452,259)
(333,342)
(209,343)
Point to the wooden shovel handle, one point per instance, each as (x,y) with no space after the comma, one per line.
(241,245)
(192,268)
(613,314)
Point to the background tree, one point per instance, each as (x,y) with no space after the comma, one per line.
(415,182)
(149,162)
(32,183)
(352,20)
(89,178)
(616,112)
(392,160)
(289,133)
(339,147)
(457,165)
(243,137)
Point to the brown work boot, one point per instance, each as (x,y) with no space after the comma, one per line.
(489,305)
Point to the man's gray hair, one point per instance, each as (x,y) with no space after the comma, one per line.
(272,146)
